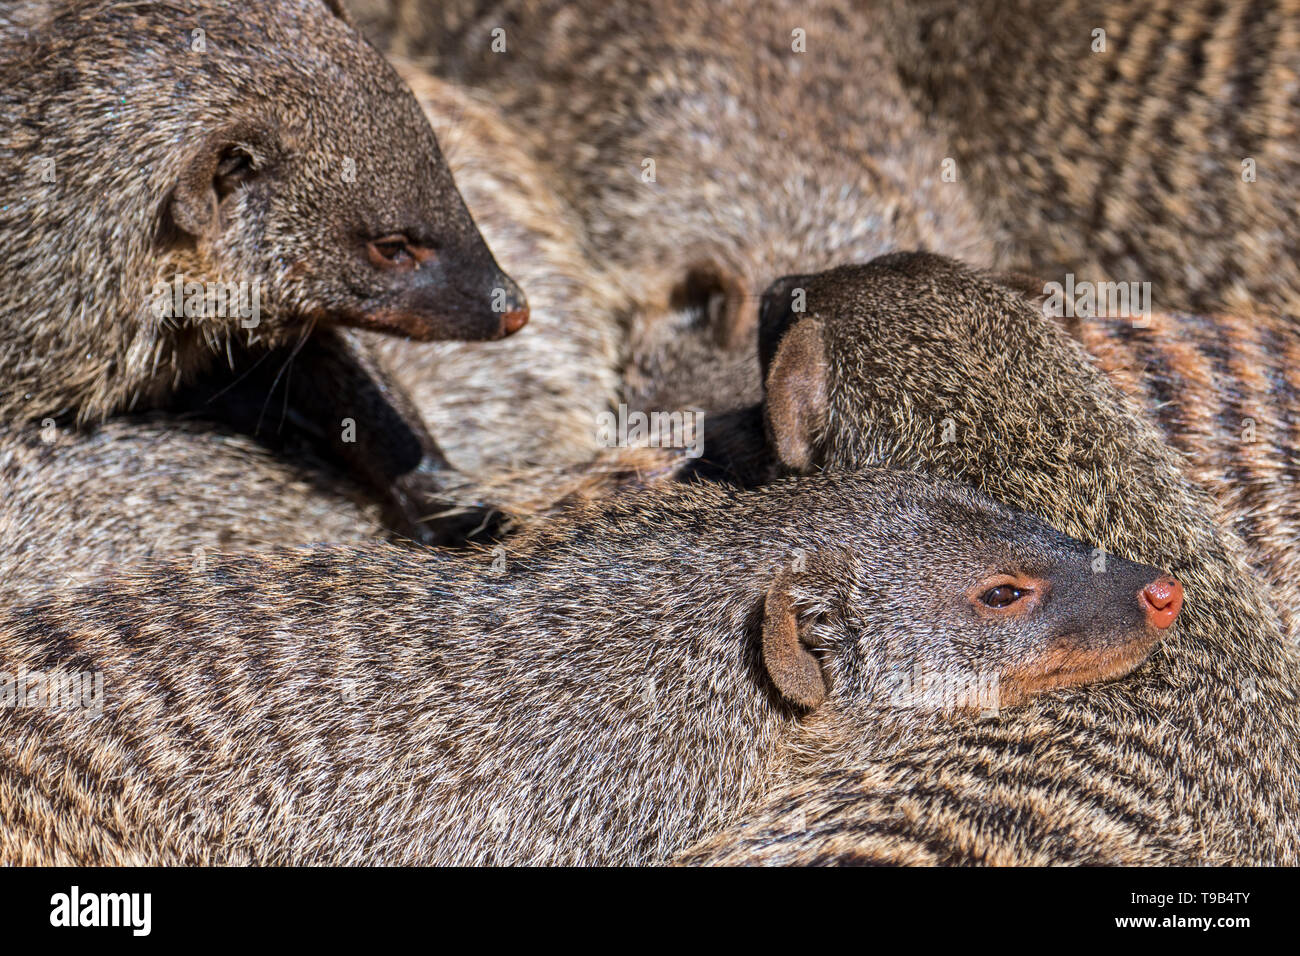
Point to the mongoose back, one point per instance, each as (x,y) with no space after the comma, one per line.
(81,504)
(612,693)
(1121,139)
(920,363)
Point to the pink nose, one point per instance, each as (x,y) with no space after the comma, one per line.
(1162,599)
(514,321)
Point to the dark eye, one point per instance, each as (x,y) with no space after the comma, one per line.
(397,251)
(233,170)
(1003,595)
(390,251)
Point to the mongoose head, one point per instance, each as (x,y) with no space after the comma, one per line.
(268,151)
(960,602)
(863,353)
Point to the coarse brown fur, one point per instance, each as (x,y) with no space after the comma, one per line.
(1167,157)
(1225,392)
(599,695)
(1192,761)
(103,205)
(79,505)
(766,160)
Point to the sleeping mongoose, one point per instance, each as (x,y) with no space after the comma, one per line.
(917,362)
(617,688)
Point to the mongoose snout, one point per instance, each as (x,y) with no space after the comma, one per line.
(427,294)
(1110,613)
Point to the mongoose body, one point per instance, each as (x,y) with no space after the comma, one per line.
(916,362)
(1122,140)
(78,505)
(609,693)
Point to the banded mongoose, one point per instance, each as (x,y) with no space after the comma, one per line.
(1223,390)
(264,170)
(1122,140)
(514,417)
(917,362)
(608,694)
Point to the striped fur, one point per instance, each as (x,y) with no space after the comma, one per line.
(1225,392)
(1125,164)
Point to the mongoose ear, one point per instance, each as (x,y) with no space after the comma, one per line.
(218,167)
(797,394)
(194,207)
(793,668)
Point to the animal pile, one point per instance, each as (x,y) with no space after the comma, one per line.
(597,432)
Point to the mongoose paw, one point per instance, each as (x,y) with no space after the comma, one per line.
(424,508)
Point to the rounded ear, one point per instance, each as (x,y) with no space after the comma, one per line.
(793,668)
(194,207)
(216,169)
(797,399)
(717,295)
